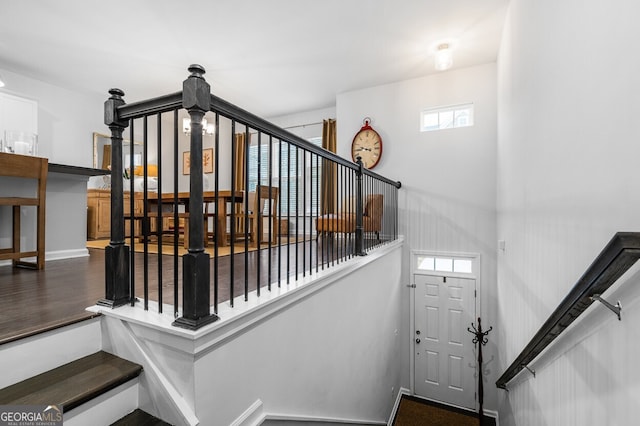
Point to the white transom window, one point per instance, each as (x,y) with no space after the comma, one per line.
(449,117)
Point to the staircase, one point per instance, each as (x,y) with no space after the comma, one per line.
(95,388)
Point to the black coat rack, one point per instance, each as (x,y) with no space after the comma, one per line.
(480,338)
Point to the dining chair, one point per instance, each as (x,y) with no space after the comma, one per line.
(263,203)
(345,220)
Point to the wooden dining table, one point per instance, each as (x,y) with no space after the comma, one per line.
(224,197)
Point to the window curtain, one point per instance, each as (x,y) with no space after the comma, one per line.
(106,157)
(239,158)
(329,169)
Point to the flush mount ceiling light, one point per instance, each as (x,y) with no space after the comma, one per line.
(444,57)
(1,81)
(207,129)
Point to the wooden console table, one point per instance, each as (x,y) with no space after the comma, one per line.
(99,212)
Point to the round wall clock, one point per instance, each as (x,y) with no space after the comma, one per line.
(367,144)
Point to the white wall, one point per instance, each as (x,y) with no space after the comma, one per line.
(448,195)
(326,347)
(567,181)
(66,122)
(306,124)
(332,355)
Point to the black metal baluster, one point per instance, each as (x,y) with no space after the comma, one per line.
(288,209)
(159,220)
(297,197)
(304,211)
(385,219)
(132,221)
(326,210)
(318,202)
(234,152)
(339,235)
(175,214)
(351,211)
(280,195)
(258,214)
(341,197)
(246,212)
(216,217)
(359,210)
(145,213)
(336,210)
(271,212)
(396,213)
(371,193)
(311,214)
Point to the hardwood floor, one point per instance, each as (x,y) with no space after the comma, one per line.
(32,301)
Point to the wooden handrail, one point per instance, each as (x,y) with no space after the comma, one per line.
(615,259)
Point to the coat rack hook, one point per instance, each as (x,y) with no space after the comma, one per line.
(616,309)
(530,370)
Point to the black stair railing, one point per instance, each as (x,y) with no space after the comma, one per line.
(314,209)
(622,252)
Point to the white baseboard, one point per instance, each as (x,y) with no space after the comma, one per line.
(66,254)
(55,255)
(317,419)
(253,416)
(396,405)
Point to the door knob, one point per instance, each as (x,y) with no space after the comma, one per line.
(417,340)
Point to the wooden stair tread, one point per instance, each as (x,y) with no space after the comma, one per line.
(74,383)
(140,418)
(48,326)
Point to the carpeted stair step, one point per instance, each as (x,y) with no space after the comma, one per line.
(140,418)
(74,383)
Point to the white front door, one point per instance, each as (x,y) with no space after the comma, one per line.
(444,352)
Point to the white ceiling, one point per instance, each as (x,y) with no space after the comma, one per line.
(272,57)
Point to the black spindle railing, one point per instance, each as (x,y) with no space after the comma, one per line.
(282,208)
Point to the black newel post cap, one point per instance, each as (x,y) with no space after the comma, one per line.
(116,93)
(110,109)
(196,92)
(196,70)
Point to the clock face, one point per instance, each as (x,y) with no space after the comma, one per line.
(367,144)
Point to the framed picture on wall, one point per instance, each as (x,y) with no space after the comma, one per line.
(186,163)
(207,161)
